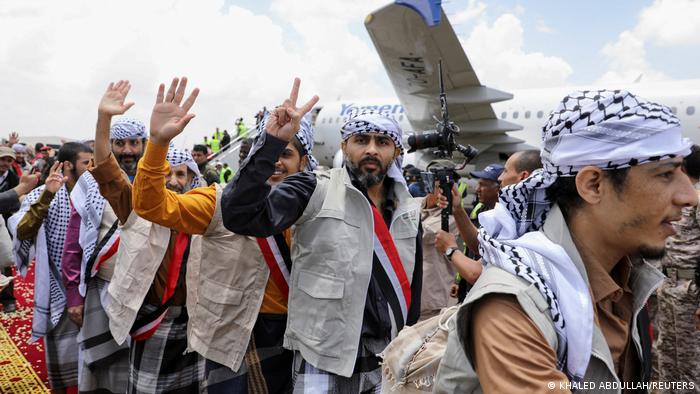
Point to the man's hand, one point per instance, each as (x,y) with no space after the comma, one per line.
(112,102)
(55,179)
(169,118)
(75,314)
(444,240)
(27,183)
(13,138)
(456,198)
(285,120)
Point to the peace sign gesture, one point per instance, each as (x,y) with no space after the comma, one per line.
(284,120)
(55,179)
(169,118)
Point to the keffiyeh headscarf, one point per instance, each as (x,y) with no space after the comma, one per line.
(607,129)
(128,129)
(375,122)
(305,136)
(176,157)
(19,148)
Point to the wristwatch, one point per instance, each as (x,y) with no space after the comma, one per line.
(449,252)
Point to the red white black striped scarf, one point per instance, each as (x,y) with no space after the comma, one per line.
(389,271)
(146,325)
(278,258)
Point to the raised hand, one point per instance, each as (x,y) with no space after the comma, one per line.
(285,120)
(55,179)
(112,102)
(169,117)
(13,138)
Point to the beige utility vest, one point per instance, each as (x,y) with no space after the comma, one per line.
(142,246)
(106,269)
(225,293)
(332,252)
(456,374)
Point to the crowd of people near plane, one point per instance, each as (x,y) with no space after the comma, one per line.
(157,271)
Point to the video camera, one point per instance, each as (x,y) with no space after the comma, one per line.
(443,140)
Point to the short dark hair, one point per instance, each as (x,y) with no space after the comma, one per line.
(691,163)
(200,148)
(38,146)
(528,160)
(247,142)
(70,150)
(564,193)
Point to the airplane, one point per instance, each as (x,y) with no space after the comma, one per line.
(411,37)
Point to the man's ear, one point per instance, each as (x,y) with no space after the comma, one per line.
(590,185)
(343,146)
(67,165)
(304,162)
(523,175)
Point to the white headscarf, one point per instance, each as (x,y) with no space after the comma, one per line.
(128,129)
(176,157)
(375,122)
(607,129)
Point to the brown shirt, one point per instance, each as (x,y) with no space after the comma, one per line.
(512,355)
(115,187)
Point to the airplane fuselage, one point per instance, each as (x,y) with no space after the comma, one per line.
(529,108)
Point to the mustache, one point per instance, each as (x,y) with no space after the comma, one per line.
(370,159)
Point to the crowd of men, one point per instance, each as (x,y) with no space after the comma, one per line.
(158,272)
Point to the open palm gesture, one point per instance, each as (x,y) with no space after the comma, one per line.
(169,117)
(285,120)
(112,102)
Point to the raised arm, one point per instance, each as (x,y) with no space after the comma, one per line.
(191,212)
(113,184)
(249,205)
(112,104)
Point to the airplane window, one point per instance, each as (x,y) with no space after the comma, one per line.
(323,120)
(515,115)
(527,114)
(504,114)
(337,120)
(674,110)
(540,114)
(690,110)
(400,118)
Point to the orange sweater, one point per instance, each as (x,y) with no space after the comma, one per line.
(190,212)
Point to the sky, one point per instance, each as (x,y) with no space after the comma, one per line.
(57,57)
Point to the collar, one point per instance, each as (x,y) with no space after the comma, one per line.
(610,285)
(389,198)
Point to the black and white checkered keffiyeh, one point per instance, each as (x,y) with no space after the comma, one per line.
(49,293)
(607,129)
(305,136)
(176,157)
(375,122)
(90,205)
(128,129)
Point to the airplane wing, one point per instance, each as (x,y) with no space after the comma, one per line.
(410,40)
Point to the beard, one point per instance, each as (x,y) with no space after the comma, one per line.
(178,189)
(367,179)
(650,253)
(129,168)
